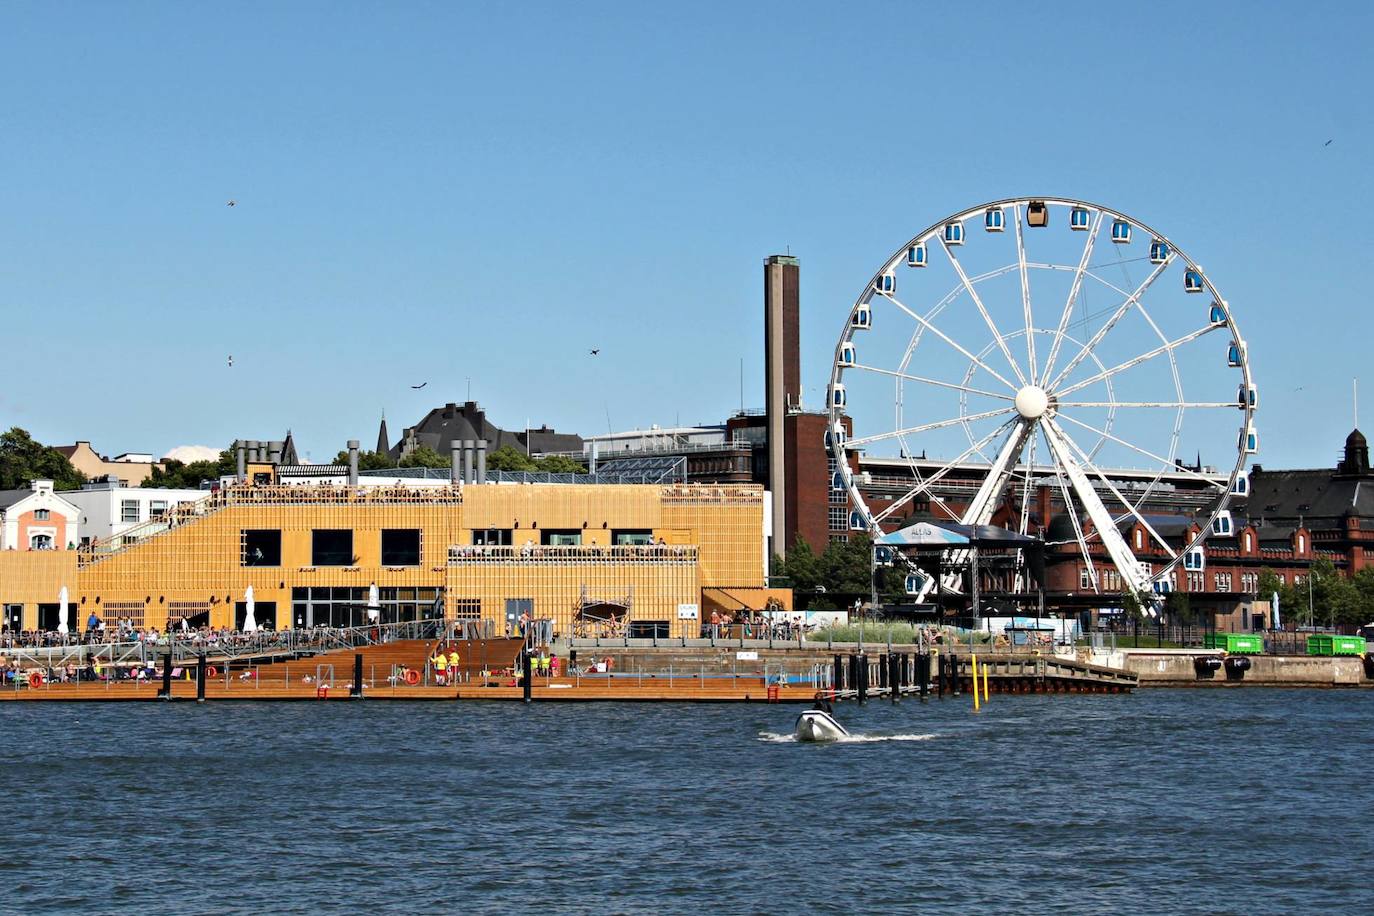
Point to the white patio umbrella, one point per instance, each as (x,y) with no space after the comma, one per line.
(62,611)
(374,603)
(1277,624)
(250,623)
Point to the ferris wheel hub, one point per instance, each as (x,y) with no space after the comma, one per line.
(1032,402)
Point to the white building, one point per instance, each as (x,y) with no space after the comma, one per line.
(655,438)
(108,509)
(37,519)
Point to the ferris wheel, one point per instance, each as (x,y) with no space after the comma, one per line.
(1041,343)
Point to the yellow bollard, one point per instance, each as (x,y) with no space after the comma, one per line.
(975,683)
(985,683)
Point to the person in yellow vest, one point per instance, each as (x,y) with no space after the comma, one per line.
(440,663)
(544,665)
(453,663)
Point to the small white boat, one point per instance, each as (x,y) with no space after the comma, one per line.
(819,725)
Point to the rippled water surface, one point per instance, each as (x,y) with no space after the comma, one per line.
(1253,801)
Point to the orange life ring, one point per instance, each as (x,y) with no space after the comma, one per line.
(322,692)
(212,671)
(412,677)
(35,679)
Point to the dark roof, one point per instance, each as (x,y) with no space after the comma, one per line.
(1287,496)
(10,497)
(1269,534)
(442,425)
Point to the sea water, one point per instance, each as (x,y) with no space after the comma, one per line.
(1178,801)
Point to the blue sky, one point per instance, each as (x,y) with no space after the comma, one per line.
(443,192)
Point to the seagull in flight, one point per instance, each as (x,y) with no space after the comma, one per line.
(1328,142)
(595,352)
(231,360)
(232,203)
(419,386)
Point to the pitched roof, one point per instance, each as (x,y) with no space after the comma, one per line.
(442,425)
(1286,496)
(10,497)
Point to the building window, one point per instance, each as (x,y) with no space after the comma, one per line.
(631,538)
(128,510)
(331,547)
(260,547)
(839,518)
(1139,539)
(552,538)
(1302,543)
(41,515)
(467,609)
(491,537)
(400,546)
(157,507)
(1085,579)
(1223,582)
(40,542)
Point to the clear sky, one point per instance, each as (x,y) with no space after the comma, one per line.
(443,192)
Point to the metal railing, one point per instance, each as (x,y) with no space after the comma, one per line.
(536,553)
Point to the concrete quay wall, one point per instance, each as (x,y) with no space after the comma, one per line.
(1175,668)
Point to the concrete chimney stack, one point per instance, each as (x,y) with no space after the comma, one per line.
(481,460)
(456,451)
(241,459)
(468,448)
(352,462)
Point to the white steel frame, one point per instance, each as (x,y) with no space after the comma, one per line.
(1041,375)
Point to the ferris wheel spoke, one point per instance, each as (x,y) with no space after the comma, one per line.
(1229,405)
(947,339)
(925,484)
(928,427)
(1130,507)
(1120,313)
(1025,294)
(984,502)
(1107,532)
(1167,463)
(1079,537)
(982,310)
(1166,347)
(1072,299)
(930,381)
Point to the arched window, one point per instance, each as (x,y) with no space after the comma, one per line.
(1302,543)
(40,542)
(1249,542)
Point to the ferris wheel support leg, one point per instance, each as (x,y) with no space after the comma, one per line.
(999,475)
(1102,520)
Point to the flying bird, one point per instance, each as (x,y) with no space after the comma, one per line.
(419,386)
(1328,142)
(232,203)
(595,352)
(231,360)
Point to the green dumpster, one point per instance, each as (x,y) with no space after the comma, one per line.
(1330,644)
(1234,643)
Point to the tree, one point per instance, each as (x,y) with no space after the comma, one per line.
(558,464)
(23,460)
(369,461)
(177,475)
(1178,608)
(424,457)
(507,458)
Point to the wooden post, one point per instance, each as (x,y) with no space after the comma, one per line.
(166,692)
(356,692)
(200,678)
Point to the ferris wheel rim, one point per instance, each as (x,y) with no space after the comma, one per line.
(1100,213)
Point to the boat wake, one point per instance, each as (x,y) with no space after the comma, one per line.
(775,738)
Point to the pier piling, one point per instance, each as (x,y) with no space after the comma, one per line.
(200,678)
(356,691)
(165,693)
(528,679)
(861,663)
